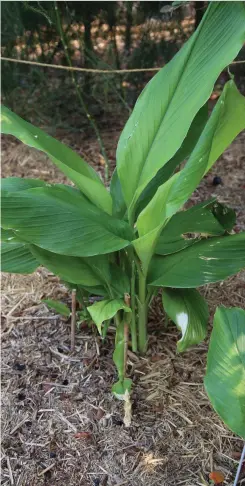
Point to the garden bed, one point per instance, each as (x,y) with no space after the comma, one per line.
(61,424)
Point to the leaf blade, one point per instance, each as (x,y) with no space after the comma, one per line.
(17,258)
(105,310)
(205,262)
(189,311)
(188,81)
(70,163)
(76,227)
(225,376)
(58,307)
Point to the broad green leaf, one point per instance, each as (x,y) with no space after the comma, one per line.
(71,269)
(119,281)
(62,221)
(226,216)
(227,119)
(8,235)
(165,109)
(119,207)
(186,227)
(15,184)
(68,161)
(58,307)
(17,258)
(225,376)
(106,309)
(168,169)
(97,290)
(189,311)
(205,262)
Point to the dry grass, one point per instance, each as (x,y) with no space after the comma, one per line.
(61,425)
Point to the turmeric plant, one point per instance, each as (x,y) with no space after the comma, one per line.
(126,243)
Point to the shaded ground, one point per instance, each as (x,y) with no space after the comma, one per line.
(61,425)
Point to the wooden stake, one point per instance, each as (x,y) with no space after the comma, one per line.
(73,319)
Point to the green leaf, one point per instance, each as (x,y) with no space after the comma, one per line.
(119,389)
(59,219)
(165,109)
(71,269)
(68,161)
(168,169)
(119,207)
(186,227)
(8,235)
(225,376)
(17,258)
(226,216)
(227,119)
(189,311)
(58,307)
(15,184)
(106,309)
(205,262)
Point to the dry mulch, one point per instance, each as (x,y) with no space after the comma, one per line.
(60,422)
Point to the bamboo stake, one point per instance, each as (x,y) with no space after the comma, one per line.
(73,319)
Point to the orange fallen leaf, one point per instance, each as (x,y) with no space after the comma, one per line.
(217,477)
(82,435)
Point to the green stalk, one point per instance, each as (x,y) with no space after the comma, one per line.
(133,328)
(143,315)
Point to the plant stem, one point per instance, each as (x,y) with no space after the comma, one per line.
(143,314)
(133,320)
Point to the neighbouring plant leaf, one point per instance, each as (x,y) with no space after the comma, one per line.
(227,119)
(17,258)
(15,184)
(58,307)
(71,269)
(186,227)
(189,311)
(61,220)
(225,376)
(166,107)
(205,262)
(168,169)
(119,207)
(120,387)
(70,163)
(106,309)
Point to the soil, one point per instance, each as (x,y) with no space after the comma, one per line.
(60,423)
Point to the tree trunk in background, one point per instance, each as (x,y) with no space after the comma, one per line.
(129,22)
(200,10)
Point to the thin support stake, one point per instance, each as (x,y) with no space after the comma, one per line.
(73,318)
(239,466)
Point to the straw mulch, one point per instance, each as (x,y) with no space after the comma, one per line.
(60,423)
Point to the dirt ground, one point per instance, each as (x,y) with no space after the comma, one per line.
(60,423)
